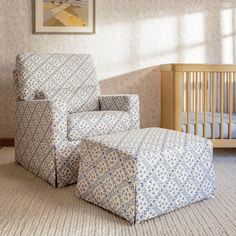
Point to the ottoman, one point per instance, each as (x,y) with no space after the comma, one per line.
(145,173)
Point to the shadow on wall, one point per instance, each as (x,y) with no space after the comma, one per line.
(146,83)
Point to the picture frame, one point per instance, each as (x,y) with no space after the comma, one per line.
(64,16)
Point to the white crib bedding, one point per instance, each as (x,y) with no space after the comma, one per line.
(192,125)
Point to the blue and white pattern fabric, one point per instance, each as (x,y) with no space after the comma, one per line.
(54,92)
(141,174)
(127,103)
(89,124)
(67,77)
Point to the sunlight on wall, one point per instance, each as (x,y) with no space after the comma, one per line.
(174,39)
(182,38)
(161,42)
(228,22)
(193,38)
(193,28)
(152,41)
(120,47)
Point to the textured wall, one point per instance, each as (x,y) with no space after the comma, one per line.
(131,35)
(145,83)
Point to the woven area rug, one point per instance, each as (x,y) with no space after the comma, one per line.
(29,206)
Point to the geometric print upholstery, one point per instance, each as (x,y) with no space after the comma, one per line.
(88,124)
(67,77)
(141,174)
(42,143)
(122,102)
(42,146)
(16,85)
(37,136)
(52,91)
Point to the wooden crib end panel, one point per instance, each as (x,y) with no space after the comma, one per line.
(167,113)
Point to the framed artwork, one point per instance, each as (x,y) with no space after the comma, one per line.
(65,16)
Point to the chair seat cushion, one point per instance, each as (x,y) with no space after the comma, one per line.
(96,123)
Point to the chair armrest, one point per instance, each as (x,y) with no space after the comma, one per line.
(122,102)
(41,127)
(42,116)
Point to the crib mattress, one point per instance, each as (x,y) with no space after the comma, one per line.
(200,127)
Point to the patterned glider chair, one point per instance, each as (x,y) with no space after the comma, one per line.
(58,104)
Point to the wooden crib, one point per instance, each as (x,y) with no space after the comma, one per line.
(200,99)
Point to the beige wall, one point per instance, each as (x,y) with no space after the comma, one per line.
(145,83)
(131,35)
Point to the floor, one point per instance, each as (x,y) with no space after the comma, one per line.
(29,206)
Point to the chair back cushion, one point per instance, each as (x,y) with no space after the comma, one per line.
(67,77)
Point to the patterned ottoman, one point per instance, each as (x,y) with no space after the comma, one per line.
(144,173)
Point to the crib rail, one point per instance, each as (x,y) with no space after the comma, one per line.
(200,91)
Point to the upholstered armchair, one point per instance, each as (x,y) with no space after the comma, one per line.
(59,104)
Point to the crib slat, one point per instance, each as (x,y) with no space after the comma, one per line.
(185,91)
(221,103)
(200,92)
(207,89)
(192,92)
(188,100)
(205,102)
(230,105)
(196,103)
(234,92)
(213,106)
(227,82)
